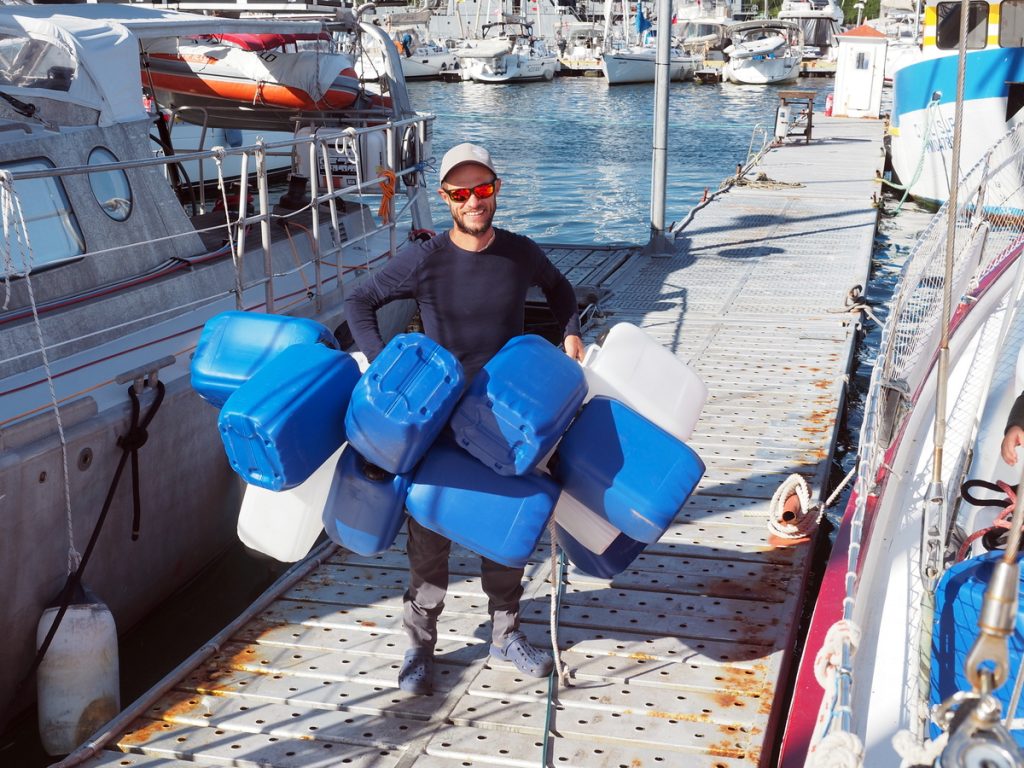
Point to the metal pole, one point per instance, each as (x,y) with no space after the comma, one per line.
(659,165)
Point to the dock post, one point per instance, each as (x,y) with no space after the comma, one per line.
(659,243)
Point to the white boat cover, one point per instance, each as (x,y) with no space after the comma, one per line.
(314,72)
(101,44)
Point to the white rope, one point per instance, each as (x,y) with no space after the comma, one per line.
(219,153)
(837,750)
(830,656)
(560,670)
(14,224)
(914,753)
(803,521)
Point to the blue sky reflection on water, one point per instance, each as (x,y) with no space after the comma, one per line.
(575,154)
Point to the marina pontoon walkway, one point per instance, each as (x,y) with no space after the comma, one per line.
(678,661)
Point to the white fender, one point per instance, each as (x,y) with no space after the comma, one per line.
(78,683)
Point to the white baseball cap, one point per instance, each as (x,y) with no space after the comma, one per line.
(466,153)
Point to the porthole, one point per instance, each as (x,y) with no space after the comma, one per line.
(111,188)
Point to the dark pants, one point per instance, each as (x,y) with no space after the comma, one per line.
(428,583)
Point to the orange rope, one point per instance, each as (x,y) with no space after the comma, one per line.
(387,189)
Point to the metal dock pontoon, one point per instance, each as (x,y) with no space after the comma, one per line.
(679,661)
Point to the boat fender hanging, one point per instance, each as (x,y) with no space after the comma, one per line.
(77,680)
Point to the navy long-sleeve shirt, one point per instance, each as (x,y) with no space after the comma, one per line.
(471,303)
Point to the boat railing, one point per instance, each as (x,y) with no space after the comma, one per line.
(200,183)
(988,239)
(384,159)
(766,140)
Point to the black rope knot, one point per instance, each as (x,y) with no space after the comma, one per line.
(133,439)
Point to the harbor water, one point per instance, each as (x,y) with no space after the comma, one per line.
(575,161)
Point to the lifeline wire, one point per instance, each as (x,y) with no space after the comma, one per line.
(13,217)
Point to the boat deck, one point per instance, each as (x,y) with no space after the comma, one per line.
(680,660)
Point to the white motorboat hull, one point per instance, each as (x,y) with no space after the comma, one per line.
(511,68)
(922,128)
(762,70)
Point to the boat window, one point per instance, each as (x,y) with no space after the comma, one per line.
(28,63)
(947,25)
(1011,24)
(110,187)
(53,232)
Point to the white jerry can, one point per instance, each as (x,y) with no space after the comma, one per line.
(285,524)
(78,681)
(633,368)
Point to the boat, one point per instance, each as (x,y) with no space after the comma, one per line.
(253,69)
(900,22)
(211,75)
(580,49)
(913,654)
(923,103)
(422,57)
(507,52)
(635,62)
(705,37)
(820,21)
(762,51)
(109,281)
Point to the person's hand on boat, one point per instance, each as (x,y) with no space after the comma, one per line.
(574,347)
(1013,438)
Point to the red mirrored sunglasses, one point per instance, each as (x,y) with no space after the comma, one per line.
(462,194)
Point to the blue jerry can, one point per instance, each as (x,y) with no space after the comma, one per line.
(626,469)
(285,421)
(958,601)
(615,559)
(519,405)
(403,401)
(365,506)
(234,345)
(496,516)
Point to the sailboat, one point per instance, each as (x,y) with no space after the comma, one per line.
(635,63)
(914,652)
(507,52)
(110,277)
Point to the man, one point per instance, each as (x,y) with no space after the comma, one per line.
(470,284)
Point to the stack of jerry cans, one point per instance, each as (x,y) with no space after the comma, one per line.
(234,345)
(634,369)
(500,517)
(289,417)
(519,405)
(628,471)
(490,498)
(398,408)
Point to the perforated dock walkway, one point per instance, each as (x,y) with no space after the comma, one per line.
(680,660)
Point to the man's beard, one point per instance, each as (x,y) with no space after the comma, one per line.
(478,227)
